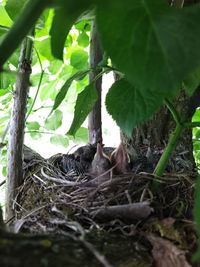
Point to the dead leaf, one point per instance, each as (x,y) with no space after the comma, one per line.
(166,254)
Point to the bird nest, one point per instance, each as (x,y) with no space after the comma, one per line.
(53,201)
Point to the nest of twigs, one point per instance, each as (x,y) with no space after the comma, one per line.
(51,201)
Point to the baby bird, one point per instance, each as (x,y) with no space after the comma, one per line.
(101,163)
(120,159)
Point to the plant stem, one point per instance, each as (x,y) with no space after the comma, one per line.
(173,140)
(173,111)
(26,20)
(191,124)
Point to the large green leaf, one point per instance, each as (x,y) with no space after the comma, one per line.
(14,7)
(129,106)
(65,17)
(192,81)
(63,91)
(4,18)
(155,45)
(84,104)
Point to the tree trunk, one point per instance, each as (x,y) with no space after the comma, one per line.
(94,119)
(17,123)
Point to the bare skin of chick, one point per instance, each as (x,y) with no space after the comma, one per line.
(101,163)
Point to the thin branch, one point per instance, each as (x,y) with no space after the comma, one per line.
(39,85)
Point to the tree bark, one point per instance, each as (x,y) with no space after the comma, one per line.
(149,140)
(17,123)
(94,119)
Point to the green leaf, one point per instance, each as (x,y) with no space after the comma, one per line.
(155,45)
(192,82)
(59,140)
(83,39)
(4,18)
(48,90)
(4,171)
(196,116)
(14,7)
(35,135)
(33,126)
(65,17)
(79,59)
(3,92)
(44,48)
(36,78)
(81,135)
(84,104)
(55,66)
(129,106)
(83,25)
(6,80)
(14,59)
(54,121)
(63,91)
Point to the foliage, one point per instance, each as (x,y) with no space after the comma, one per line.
(162,40)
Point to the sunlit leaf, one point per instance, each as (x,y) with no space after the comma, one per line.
(79,59)
(83,25)
(84,104)
(196,116)
(34,125)
(44,48)
(55,66)
(48,90)
(54,121)
(4,18)
(35,135)
(129,107)
(3,92)
(59,140)
(4,171)
(36,78)
(81,135)
(63,91)
(6,80)
(83,39)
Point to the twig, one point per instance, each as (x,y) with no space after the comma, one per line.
(131,212)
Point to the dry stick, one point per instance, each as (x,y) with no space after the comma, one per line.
(17,123)
(135,211)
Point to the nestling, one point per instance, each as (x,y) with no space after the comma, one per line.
(120,159)
(101,163)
